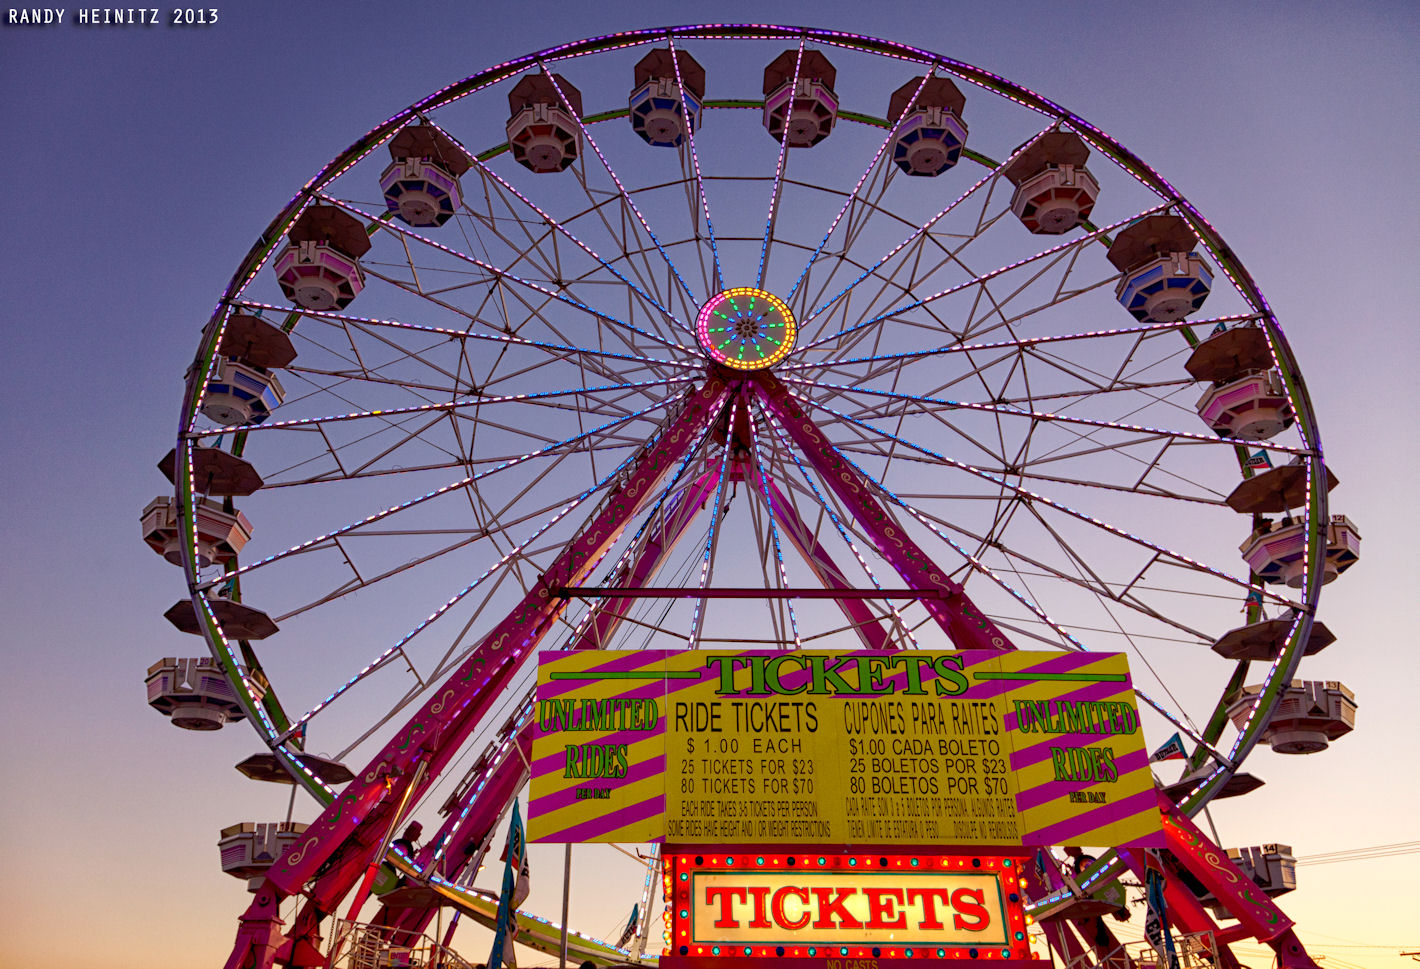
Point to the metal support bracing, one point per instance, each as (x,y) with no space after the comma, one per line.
(1210,864)
(660,539)
(1058,935)
(794,528)
(965,625)
(1183,908)
(341,835)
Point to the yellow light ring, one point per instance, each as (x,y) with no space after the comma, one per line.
(746,328)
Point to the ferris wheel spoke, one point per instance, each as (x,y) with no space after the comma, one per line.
(367,326)
(511,556)
(498,275)
(934,406)
(804,536)
(778,173)
(488,174)
(1067,638)
(712,538)
(857,188)
(758,464)
(1076,242)
(902,356)
(717,281)
(973,562)
(620,187)
(577,439)
(999,480)
(556,270)
(921,231)
(442,407)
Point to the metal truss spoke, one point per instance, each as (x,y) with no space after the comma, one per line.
(924,228)
(1027,494)
(980,280)
(616,179)
(501,275)
(779,170)
(718,281)
(445,489)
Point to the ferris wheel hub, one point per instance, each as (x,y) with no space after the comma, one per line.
(746,328)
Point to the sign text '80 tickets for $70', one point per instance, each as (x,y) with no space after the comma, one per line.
(858,747)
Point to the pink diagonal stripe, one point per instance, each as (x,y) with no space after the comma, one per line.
(619,664)
(651,767)
(1071,830)
(1042,793)
(595,828)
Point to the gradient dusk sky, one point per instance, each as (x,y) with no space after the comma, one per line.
(142,162)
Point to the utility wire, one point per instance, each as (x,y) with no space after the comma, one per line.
(1360,854)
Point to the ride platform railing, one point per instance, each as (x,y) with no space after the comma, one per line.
(1191,951)
(358,945)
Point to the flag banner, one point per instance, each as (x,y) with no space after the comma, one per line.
(1156,924)
(1259,459)
(630,930)
(515,890)
(1042,870)
(1172,749)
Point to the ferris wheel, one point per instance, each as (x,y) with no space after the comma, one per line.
(812,340)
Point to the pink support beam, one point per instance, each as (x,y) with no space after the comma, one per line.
(660,539)
(1229,884)
(1182,907)
(865,623)
(346,830)
(965,625)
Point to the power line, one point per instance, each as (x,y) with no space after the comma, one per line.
(1361,854)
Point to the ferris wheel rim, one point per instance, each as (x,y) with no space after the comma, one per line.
(1310,452)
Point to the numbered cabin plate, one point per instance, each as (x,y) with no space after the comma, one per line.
(863,747)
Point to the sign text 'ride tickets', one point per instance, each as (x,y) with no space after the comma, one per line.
(861,747)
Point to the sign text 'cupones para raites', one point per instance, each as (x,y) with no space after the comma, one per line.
(917,747)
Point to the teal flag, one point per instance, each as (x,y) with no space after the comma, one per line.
(515,889)
(1156,925)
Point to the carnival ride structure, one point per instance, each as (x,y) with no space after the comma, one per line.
(799,366)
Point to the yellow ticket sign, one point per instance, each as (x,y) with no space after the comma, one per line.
(862,747)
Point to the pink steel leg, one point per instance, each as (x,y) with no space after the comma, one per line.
(344,833)
(660,539)
(865,623)
(1184,909)
(1230,885)
(965,625)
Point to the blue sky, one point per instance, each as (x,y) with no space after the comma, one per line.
(143,162)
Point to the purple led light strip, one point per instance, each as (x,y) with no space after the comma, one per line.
(625,195)
(779,168)
(1027,493)
(558,226)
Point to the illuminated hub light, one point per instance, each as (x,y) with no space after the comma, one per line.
(746,328)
